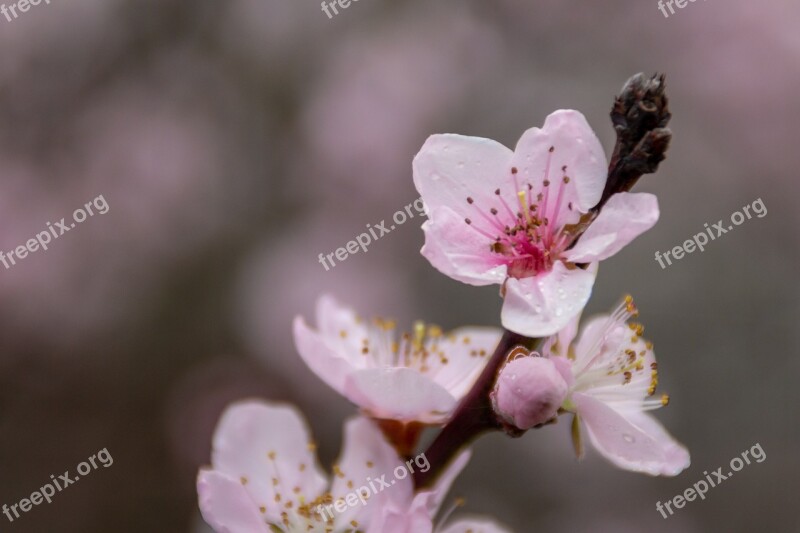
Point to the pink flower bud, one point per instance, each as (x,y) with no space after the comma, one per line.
(528,392)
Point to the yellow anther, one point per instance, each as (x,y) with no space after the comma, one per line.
(523,205)
(419,334)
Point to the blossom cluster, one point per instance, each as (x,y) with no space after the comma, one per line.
(536,221)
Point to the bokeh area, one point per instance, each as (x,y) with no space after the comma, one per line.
(234,141)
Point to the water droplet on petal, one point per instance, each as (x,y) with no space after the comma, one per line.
(628,438)
(513,377)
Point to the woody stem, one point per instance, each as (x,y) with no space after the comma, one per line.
(473,416)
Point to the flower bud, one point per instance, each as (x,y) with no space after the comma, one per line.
(528,392)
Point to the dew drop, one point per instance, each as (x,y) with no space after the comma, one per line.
(628,438)
(513,377)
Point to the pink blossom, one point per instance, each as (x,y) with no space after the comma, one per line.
(529,391)
(507,217)
(418,377)
(265,477)
(613,376)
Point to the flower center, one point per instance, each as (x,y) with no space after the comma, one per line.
(527,238)
(422,350)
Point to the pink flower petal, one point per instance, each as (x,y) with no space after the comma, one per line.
(575,146)
(564,367)
(559,344)
(329,364)
(624,217)
(400,394)
(676,454)
(529,391)
(451,168)
(458,250)
(468,350)
(625,444)
(247,434)
(367,456)
(475,526)
(333,318)
(415,519)
(591,339)
(434,498)
(398,516)
(226,505)
(542,305)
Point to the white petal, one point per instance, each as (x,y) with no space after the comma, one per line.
(624,217)
(542,305)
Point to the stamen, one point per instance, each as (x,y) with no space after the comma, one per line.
(505,205)
(523,204)
(546,183)
(419,334)
(557,208)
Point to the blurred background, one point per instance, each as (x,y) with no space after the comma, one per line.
(235,141)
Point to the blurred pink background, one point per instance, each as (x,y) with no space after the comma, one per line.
(235,141)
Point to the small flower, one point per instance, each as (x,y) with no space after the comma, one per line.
(506,217)
(529,391)
(265,478)
(613,377)
(419,377)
